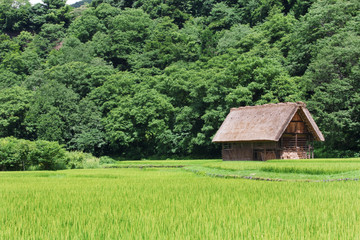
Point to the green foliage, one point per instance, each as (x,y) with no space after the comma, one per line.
(14,15)
(9,78)
(72,50)
(240,37)
(81,77)
(107,160)
(7,46)
(48,38)
(52,113)
(89,133)
(151,77)
(81,3)
(23,39)
(18,154)
(223,17)
(48,155)
(85,26)
(140,121)
(335,75)
(21,155)
(15,154)
(80,160)
(128,32)
(324,19)
(14,103)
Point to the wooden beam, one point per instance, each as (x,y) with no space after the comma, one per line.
(265,154)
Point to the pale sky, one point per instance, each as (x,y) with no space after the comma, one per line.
(68,1)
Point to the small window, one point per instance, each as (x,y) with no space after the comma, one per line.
(227,146)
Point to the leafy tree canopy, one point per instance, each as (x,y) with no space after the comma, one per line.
(147,78)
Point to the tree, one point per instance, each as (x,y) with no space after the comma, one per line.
(278,29)
(52,113)
(14,15)
(138,124)
(49,37)
(324,19)
(223,17)
(89,135)
(240,37)
(23,39)
(14,103)
(335,88)
(173,9)
(9,78)
(165,45)
(116,87)
(7,46)
(54,4)
(85,26)
(128,32)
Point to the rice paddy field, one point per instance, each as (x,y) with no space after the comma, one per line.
(195,199)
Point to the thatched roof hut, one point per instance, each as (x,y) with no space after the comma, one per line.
(283,130)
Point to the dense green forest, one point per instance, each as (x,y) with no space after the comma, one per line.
(141,78)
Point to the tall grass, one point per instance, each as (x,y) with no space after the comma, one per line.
(172,204)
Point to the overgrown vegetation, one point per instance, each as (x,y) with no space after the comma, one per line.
(156,78)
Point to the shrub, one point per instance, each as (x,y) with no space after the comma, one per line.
(19,154)
(14,153)
(106,160)
(81,160)
(92,162)
(48,155)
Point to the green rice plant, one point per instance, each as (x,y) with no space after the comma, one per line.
(315,166)
(306,170)
(172,204)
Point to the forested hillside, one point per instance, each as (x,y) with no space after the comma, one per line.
(148,78)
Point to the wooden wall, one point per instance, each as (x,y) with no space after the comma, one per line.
(250,151)
(237,151)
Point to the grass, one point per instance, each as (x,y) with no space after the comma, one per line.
(175,203)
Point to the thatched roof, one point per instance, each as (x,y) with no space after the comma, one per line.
(263,123)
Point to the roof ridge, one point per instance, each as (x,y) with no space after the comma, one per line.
(300,104)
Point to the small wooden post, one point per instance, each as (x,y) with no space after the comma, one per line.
(312,154)
(265,154)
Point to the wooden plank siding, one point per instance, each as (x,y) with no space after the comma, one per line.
(237,151)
